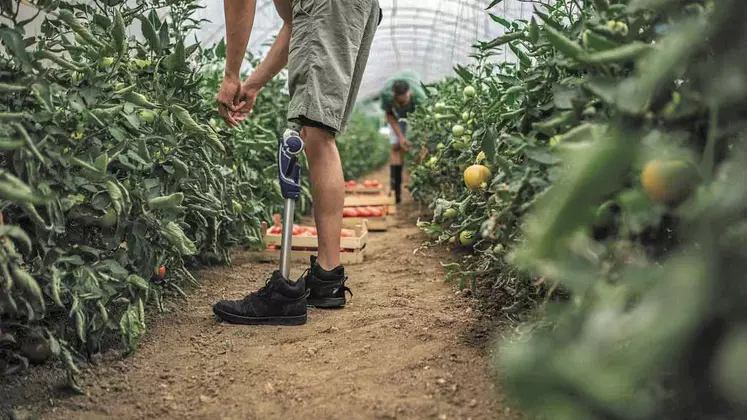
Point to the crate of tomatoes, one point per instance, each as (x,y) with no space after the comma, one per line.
(376,217)
(366,187)
(371,200)
(305,242)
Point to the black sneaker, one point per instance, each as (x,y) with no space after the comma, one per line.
(279,302)
(326,288)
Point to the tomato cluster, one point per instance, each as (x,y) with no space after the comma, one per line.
(367,184)
(306,231)
(364,211)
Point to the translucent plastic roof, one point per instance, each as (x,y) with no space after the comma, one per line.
(427,36)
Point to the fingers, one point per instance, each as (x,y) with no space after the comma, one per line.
(227,116)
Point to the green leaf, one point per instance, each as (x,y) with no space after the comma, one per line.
(501,40)
(43,95)
(132,326)
(118,134)
(220,49)
(14,42)
(18,234)
(465,74)
(493,3)
(149,33)
(534,31)
(163,35)
(137,281)
(154,20)
(500,20)
(542,156)
(563,44)
(119,36)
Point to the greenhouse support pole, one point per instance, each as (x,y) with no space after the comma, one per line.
(289,172)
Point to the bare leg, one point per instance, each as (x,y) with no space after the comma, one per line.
(395,155)
(327,191)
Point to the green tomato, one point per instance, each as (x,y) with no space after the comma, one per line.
(469,91)
(237,207)
(440,106)
(148,115)
(465,116)
(143,63)
(106,62)
(440,146)
(467,238)
(76,76)
(109,219)
(457,130)
(449,213)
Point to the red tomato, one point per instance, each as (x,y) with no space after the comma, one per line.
(375,212)
(347,233)
(363,212)
(312,231)
(297,230)
(376,183)
(306,233)
(349,212)
(368,183)
(275,230)
(272,247)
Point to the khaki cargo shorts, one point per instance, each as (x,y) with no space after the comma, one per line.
(329,48)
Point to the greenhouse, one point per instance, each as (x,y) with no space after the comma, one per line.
(373,209)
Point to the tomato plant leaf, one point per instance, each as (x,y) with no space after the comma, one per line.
(149,33)
(506,24)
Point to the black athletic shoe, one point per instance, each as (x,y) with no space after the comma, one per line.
(326,288)
(279,302)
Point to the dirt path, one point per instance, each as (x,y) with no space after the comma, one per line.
(394,352)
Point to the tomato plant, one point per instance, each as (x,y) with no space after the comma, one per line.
(614,150)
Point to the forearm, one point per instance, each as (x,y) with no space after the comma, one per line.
(275,60)
(395,125)
(239,15)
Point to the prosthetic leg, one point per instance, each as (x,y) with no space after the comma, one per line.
(289,171)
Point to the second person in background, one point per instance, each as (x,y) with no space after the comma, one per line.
(399,96)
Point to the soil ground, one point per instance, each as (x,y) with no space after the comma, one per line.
(397,351)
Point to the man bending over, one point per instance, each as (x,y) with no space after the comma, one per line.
(399,96)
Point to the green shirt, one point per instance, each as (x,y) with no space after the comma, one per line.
(418,94)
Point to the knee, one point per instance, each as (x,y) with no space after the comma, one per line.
(318,141)
(317,135)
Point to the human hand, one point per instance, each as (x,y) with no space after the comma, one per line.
(228,100)
(248,97)
(403,144)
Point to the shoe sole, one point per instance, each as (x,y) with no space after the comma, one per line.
(270,320)
(327,303)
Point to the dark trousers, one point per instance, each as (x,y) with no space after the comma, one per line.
(395,176)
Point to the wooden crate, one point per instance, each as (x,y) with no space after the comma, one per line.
(360,189)
(375,224)
(372,200)
(302,247)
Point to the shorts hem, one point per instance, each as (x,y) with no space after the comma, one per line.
(301,113)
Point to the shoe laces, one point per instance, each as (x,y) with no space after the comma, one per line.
(266,289)
(344,288)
